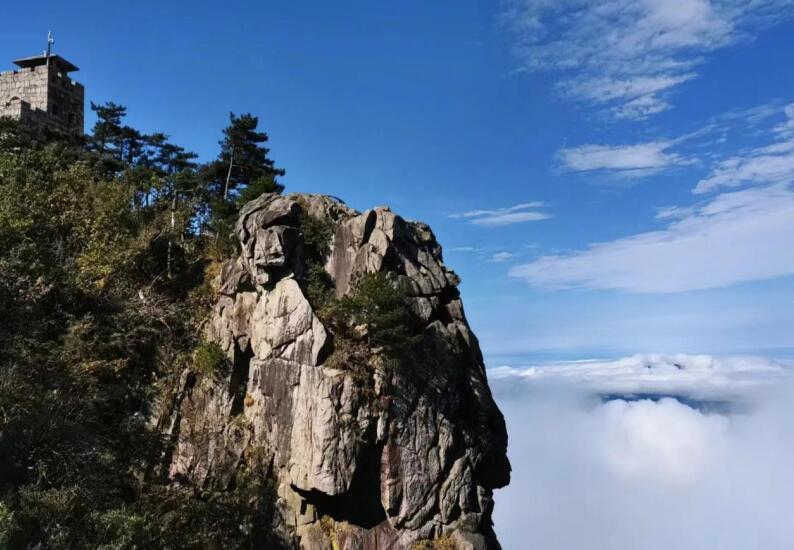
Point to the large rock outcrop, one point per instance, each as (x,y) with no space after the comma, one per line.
(409,454)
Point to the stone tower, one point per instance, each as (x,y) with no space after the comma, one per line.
(41,93)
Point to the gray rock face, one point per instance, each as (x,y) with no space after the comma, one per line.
(414,455)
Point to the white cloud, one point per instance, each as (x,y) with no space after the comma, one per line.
(736,237)
(751,116)
(770,164)
(627,55)
(773,163)
(509,219)
(674,212)
(633,160)
(786,129)
(632,98)
(644,441)
(519,213)
(699,377)
(498,211)
(646,475)
(766,164)
(500,257)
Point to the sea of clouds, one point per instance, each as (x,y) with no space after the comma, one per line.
(648,452)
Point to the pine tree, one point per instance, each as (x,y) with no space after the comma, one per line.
(242,172)
(243,166)
(107,131)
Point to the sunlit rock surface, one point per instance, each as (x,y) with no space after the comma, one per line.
(414,456)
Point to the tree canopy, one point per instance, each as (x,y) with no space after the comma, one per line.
(107,245)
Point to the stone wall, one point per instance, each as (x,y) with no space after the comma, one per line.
(26,85)
(43,95)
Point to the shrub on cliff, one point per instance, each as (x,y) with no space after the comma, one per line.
(317,284)
(208,358)
(373,317)
(375,311)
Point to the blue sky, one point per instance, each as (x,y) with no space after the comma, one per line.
(523,131)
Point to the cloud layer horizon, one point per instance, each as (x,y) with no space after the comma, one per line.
(648,474)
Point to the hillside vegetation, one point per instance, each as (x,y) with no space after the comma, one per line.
(107,246)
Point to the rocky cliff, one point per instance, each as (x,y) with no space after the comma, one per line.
(370,445)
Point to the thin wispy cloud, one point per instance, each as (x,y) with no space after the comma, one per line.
(786,129)
(731,238)
(770,164)
(674,212)
(736,237)
(519,213)
(625,55)
(643,159)
(751,116)
(767,164)
(501,257)
(635,98)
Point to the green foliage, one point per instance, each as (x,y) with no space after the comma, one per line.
(317,234)
(107,131)
(263,184)
(318,286)
(119,529)
(242,172)
(224,243)
(159,518)
(239,517)
(103,267)
(371,326)
(9,529)
(376,312)
(208,359)
(242,149)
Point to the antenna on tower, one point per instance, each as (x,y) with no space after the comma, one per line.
(50,42)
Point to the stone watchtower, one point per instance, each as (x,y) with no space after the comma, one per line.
(40,93)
